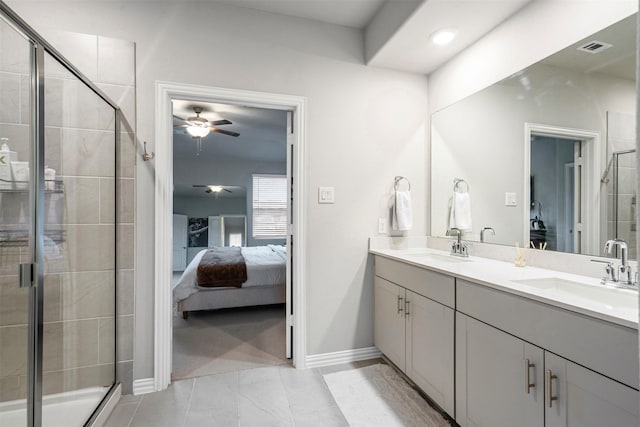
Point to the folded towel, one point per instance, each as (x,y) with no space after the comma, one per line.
(402,217)
(460,215)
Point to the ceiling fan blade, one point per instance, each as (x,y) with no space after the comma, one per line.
(200,185)
(179,118)
(228,191)
(220,122)
(181,126)
(225,132)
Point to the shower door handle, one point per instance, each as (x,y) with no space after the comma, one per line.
(26,275)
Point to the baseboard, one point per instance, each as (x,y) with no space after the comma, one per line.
(144,386)
(346,356)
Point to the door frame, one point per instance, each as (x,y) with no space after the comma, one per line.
(165,92)
(591,178)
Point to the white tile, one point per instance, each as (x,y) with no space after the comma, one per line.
(79,49)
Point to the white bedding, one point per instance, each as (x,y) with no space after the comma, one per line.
(266,265)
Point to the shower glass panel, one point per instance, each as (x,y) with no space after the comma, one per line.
(16,219)
(79,248)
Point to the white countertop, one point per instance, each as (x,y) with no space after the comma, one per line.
(596,302)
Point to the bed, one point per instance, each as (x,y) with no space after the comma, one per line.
(265,283)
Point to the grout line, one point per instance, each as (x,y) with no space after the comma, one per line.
(135,412)
(186,413)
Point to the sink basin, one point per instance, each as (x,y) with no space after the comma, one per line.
(440,257)
(600,294)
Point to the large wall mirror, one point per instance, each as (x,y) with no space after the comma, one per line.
(545,157)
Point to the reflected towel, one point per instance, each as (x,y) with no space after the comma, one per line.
(402,216)
(460,216)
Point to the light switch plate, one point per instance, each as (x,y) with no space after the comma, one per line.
(382,225)
(510,199)
(325,195)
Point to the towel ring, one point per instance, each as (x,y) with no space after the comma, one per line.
(457,182)
(397,181)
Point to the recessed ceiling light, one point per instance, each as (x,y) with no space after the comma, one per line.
(444,36)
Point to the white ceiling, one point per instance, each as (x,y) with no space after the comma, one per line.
(350,13)
(410,48)
(617,61)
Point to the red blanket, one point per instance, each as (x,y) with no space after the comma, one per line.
(222,267)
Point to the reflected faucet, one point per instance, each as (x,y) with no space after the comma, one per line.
(458,248)
(493,233)
(625,276)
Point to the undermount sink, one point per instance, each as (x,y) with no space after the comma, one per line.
(440,257)
(601,294)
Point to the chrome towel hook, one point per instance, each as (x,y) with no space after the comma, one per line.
(457,182)
(397,181)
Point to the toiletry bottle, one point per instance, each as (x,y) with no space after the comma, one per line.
(6,157)
(49,178)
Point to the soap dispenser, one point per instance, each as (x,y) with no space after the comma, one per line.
(6,157)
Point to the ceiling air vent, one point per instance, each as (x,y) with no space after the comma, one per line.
(594,47)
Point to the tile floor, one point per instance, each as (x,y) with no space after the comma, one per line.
(218,341)
(267,396)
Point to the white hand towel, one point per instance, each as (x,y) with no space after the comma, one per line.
(402,216)
(460,216)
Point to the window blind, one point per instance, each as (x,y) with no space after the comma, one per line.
(269,206)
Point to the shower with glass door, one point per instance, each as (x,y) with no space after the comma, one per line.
(58,139)
(622,199)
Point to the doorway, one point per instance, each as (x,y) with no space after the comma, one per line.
(295,319)
(231,202)
(562,179)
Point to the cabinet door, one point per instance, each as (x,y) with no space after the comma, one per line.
(584,398)
(491,375)
(429,357)
(389,320)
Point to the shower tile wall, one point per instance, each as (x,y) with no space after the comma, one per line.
(627,201)
(79,291)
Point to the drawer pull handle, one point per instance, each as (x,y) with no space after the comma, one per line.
(406,308)
(549,388)
(399,304)
(527,380)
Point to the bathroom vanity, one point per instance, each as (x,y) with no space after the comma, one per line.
(497,345)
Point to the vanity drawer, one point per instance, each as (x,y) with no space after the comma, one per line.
(436,286)
(604,347)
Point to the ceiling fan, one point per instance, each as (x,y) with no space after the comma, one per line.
(199,127)
(210,188)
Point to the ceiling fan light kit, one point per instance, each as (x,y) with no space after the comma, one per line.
(199,127)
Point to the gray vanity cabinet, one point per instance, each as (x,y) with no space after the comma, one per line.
(389,321)
(585,398)
(491,372)
(416,332)
(491,369)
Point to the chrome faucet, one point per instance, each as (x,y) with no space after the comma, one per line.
(458,248)
(625,275)
(493,232)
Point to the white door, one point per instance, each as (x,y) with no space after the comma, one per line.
(291,136)
(389,322)
(180,237)
(584,398)
(491,378)
(429,358)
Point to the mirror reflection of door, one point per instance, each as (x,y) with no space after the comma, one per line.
(556,185)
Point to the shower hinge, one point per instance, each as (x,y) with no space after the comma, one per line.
(26,275)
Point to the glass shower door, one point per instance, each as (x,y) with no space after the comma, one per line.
(79,248)
(17,244)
